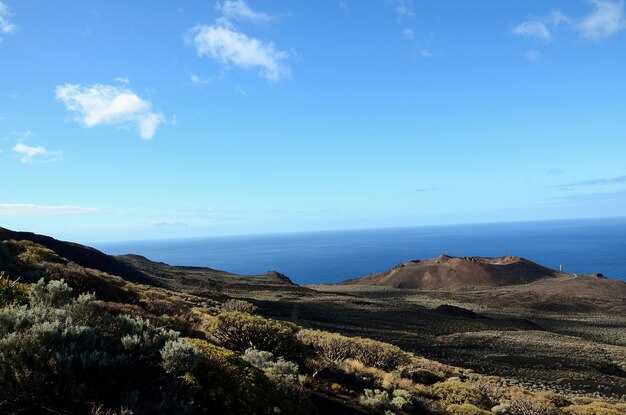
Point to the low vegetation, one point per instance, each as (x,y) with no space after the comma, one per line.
(76,340)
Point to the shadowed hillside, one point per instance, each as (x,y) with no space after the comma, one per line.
(82,255)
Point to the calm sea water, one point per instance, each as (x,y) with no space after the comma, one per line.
(582,246)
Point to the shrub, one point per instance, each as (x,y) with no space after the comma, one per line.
(242,331)
(456,392)
(594,408)
(179,357)
(492,387)
(279,368)
(384,356)
(12,292)
(332,346)
(466,409)
(521,402)
(225,383)
(440,369)
(557,400)
(381,401)
(27,253)
(60,352)
(337,348)
(375,400)
(106,287)
(422,376)
(258,358)
(239,305)
(53,294)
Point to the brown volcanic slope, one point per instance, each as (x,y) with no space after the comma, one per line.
(456,273)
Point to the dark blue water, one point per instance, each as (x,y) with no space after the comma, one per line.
(582,246)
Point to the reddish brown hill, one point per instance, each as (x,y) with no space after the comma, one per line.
(454,273)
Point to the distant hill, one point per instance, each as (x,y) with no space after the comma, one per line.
(455,273)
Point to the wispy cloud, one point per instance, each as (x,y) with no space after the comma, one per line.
(409,33)
(425,53)
(403,9)
(122,80)
(197,81)
(6,26)
(223,43)
(239,10)
(17,209)
(532,55)
(100,104)
(238,89)
(533,29)
(605,21)
(617,180)
(39,153)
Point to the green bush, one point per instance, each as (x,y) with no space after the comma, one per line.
(466,409)
(239,305)
(521,402)
(53,294)
(381,401)
(375,400)
(595,408)
(179,357)
(28,253)
(62,353)
(457,392)
(12,292)
(337,348)
(242,331)
(222,382)
(280,368)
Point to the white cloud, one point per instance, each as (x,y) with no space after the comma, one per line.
(403,9)
(223,43)
(109,105)
(605,21)
(409,33)
(196,80)
(425,53)
(239,10)
(5,23)
(532,55)
(122,80)
(557,18)
(29,154)
(238,89)
(533,28)
(16,209)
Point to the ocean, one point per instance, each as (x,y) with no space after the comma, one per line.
(581,246)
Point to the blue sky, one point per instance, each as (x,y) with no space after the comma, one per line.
(139,120)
